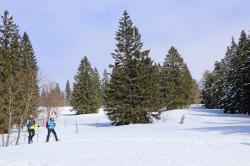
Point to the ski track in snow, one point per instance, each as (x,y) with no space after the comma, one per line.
(207,138)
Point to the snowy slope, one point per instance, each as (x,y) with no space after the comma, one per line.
(207,138)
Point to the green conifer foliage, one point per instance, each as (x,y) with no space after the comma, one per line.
(176,82)
(133,89)
(18,66)
(228,84)
(84,97)
(67,92)
(104,85)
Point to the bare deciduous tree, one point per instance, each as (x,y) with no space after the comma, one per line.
(51,97)
(29,99)
(10,91)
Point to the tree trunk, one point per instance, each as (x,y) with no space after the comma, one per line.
(3,139)
(19,130)
(9,131)
(22,118)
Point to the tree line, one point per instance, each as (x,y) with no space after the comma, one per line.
(228,85)
(137,89)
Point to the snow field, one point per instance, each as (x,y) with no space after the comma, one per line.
(207,138)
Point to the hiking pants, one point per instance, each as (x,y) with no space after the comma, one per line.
(31,135)
(54,132)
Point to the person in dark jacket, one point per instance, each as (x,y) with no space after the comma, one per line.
(51,128)
(31,125)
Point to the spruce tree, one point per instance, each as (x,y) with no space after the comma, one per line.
(28,84)
(207,98)
(132,90)
(246,84)
(228,77)
(217,85)
(176,82)
(10,46)
(244,72)
(104,85)
(96,87)
(83,97)
(9,63)
(30,68)
(18,67)
(238,75)
(67,92)
(213,89)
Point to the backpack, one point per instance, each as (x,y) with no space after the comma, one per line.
(46,125)
(31,122)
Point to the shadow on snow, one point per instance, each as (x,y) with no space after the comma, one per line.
(233,121)
(98,124)
(225,129)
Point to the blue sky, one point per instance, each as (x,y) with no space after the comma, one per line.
(62,32)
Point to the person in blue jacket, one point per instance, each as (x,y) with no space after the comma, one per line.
(51,128)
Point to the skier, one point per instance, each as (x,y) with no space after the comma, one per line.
(51,128)
(31,125)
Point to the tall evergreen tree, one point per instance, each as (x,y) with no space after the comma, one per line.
(246,78)
(67,92)
(96,87)
(83,97)
(18,67)
(132,89)
(227,94)
(9,64)
(28,84)
(237,63)
(207,98)
(30,67)
(176,82)
(244,72)
(104,85)
(217,85)
(10,47)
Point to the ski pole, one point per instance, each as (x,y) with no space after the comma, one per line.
(37,136)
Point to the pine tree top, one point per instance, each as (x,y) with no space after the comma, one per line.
(8,29)
(173,58)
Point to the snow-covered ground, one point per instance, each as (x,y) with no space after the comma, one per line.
(207,138)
